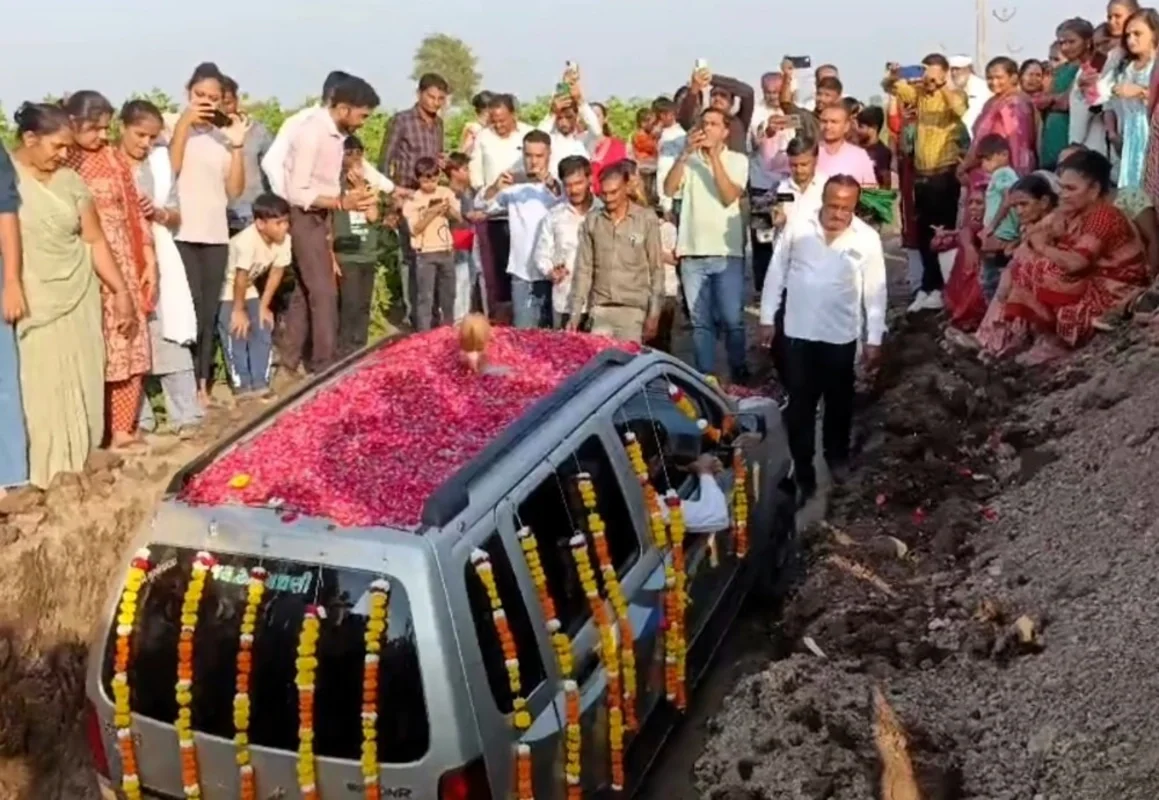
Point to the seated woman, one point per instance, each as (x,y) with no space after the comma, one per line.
(1087,259)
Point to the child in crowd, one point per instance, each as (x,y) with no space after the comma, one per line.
(870,121)
(463,232)
(357,240)
(668,235)
(1001,231)
(429,213)
(245,321)
(646,140)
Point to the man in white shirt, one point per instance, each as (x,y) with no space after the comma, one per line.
(804,185)
(527,198)
(498,150)
(974,87)
(274,162)
(671,145)
(833,268)
(709,180)
(558,242)
(562,122)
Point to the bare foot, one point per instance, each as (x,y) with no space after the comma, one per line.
(125,441)
(1046,349)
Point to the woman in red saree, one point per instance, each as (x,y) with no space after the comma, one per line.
(108,176)
(1087,261)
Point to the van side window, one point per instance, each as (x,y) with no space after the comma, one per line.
(531,673)
(669,439)
(554,511)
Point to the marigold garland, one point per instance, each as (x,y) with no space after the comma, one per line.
(524,789)
(609,657)
(521,717)
(740,504)
(376,627)
(651,497)
(255,590)
(199,572)
(598,529)
(676,530)
(122,711)
(307,668)
(564,659)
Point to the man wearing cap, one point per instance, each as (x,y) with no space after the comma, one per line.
(977,93)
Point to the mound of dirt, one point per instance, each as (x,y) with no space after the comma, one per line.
(992,566)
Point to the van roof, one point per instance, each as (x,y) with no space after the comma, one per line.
(375,440)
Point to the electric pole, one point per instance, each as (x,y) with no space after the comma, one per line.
(980,13)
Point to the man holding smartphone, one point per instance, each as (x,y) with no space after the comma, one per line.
(709,180)
(723,94)
(941,108)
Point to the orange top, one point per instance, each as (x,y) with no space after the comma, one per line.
(645,145)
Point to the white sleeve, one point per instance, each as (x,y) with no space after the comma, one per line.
(588,115)
(874,292)
(274,163)
(775,277)
(708,513)
(545,247)
(376,179)
(1108,77)
(475,165)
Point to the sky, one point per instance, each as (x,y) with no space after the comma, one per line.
(628,48)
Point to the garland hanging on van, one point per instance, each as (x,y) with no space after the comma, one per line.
(199,572)
(608,657)
(565,661)
(677,576)
(122,712)
(306,667)
(740,503)
(255,590)
(376,627)
(598,529)
(521,717)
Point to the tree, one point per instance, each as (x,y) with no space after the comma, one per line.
(452,58)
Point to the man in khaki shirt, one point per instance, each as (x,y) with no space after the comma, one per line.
(619,275)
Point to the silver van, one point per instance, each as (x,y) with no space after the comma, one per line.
(444,703)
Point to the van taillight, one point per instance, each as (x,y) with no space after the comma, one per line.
(466,783)
(96,741)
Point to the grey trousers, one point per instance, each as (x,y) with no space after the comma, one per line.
(434,287)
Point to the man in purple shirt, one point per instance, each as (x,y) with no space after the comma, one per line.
(414,134)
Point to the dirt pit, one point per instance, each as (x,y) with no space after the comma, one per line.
(990,569)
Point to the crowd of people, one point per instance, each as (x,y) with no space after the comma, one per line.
(1025,202)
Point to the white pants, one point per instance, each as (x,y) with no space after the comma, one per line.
(464,283)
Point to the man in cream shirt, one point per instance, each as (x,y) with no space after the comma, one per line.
(977,93)
(709,181)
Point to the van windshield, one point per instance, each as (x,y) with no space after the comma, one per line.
(403,729)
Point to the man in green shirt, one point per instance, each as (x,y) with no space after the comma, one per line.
(357,238)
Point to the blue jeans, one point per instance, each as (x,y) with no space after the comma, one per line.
(714,288)
(248,360)
(532,303)
(13,438)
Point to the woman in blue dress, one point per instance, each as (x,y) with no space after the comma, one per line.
(13,439)
(1130,95)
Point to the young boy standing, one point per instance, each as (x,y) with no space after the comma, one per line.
(357,239)
(429,213)
(463,232)
(1000,222)
(245,321)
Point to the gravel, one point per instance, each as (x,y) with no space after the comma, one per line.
(1019,644)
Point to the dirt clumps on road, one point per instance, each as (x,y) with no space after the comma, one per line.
(991,568)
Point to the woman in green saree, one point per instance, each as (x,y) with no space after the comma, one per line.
(1074,42)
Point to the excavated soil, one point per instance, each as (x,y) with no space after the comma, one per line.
(991,569)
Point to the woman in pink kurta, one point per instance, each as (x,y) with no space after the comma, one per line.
(1010,114)
(109,178)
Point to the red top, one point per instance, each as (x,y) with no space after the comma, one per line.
(645,145)
(608,151)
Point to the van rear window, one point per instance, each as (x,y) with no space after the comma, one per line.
(403,728)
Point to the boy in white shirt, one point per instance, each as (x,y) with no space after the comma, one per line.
(245,322)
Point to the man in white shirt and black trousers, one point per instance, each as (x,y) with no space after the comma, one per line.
(833,268)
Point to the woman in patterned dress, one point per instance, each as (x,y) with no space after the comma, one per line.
(109,177)
(1132,76)
(1086,262)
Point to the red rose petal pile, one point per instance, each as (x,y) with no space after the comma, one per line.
(370,448)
